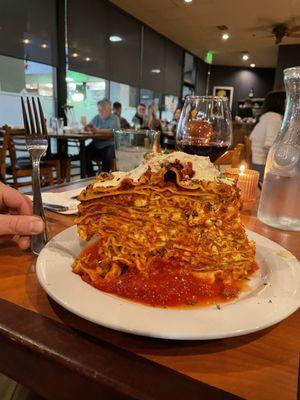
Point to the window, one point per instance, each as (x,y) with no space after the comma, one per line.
(127,95)
(83,93)
(21,78)
(189,69)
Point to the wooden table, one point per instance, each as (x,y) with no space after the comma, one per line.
(81,136)
(61,356)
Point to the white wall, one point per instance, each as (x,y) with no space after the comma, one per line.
(10,108)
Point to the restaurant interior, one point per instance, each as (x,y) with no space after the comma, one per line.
(149,178)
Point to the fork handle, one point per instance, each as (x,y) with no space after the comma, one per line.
(38,241)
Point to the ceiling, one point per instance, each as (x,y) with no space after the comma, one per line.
(194,26)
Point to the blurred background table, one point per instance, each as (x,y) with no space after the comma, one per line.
(81,137)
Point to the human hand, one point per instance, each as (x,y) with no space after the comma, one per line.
(87,127)
(16,217)
(93,129)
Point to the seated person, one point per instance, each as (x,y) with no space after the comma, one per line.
(246,111)
(117,110)
(267,128)
(153,122)
(175,120)
(140,120)
(102,146)
(168,140)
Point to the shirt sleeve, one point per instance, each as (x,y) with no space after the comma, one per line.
(272,129)
(93,121)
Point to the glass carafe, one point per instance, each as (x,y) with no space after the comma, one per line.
(279,203)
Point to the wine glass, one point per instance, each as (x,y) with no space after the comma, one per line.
(205,126)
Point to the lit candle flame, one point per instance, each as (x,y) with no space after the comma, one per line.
(242,169)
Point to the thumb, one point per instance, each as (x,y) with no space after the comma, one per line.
(20,225)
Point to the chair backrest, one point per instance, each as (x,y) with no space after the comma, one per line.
(238,155)
(248,151)
(17,137)
(232,157)
(16,146)
(4,142)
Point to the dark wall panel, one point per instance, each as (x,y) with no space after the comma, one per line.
(153,60)
(173,68)
(201,81)
(88,37)
(242,79)
(288,56)
(124,56)
(32,20)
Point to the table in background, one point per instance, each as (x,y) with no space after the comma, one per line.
(39,349)
(81,137)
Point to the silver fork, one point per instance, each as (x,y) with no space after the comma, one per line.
(37,144)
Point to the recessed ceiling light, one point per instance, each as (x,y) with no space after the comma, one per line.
(26,41)
(75,55)
(252,65)
(44,46)
(245,56)
(225,36)
(115,38)
(155,71)
(87,59)
(188,1)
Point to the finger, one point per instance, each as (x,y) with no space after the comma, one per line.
(24,242)
(20,225)
(12,199)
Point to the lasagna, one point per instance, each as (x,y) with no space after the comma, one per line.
(167,233)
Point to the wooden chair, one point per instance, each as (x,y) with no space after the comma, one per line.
(4,155)
(18,139)
(232,158)
(19,164)
(248,151)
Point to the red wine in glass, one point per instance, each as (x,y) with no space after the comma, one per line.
(205,127)
(211,151)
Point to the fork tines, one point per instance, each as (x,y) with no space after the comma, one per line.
(36,125)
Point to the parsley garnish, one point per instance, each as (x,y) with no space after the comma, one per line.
(218,306)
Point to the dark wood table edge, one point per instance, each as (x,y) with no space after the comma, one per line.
(58,362)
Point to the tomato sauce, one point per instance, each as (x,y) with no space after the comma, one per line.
(166,284)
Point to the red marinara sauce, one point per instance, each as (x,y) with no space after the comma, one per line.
(166,284)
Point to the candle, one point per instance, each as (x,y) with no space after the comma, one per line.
(247,182)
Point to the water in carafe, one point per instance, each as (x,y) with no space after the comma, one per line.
(279,204)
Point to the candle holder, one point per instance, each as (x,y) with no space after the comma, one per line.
(247,182)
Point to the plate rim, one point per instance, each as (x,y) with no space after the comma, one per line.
(156,334)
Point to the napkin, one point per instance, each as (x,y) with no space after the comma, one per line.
(63,199)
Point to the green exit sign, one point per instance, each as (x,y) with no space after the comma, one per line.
(209,57)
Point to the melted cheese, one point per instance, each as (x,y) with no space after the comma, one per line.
(203,167)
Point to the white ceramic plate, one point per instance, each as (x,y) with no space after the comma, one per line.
(274,295)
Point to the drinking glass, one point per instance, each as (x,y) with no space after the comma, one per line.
(132,145)
(59,126)
(205,126)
